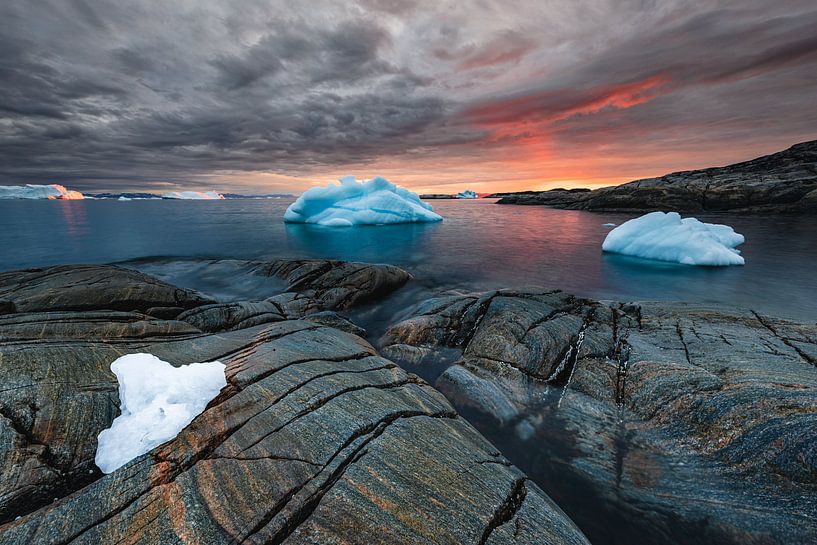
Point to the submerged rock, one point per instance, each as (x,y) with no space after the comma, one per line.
(679,423)
(315,439)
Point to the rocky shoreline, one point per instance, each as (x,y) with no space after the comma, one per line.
(661,423)
(783,182)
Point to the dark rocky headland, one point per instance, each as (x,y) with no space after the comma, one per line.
(783,182)
(624,422)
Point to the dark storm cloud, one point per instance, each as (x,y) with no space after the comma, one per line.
(705,49)
(111,94)
(289,95)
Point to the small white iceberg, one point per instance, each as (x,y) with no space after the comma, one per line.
(373,202)
(667,237)
(193,195)
(608,225)
(157,402)
(123,198)
(467,194)
(32,191)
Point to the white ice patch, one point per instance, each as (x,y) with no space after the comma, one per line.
(193,195)
(157,401)
(31,191)
(667,237)
(467,194)
(374,202)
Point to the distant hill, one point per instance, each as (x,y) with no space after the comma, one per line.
(155,196)
(781,182)
(126,195)
(265,196)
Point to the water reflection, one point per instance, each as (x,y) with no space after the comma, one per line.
(74,217)
(384,243)
(627,275)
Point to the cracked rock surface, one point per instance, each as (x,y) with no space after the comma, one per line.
(781,182)
(687,424)
(315,439)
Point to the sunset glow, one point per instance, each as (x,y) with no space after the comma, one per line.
(436,96)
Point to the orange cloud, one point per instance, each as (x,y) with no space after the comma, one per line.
(565,103)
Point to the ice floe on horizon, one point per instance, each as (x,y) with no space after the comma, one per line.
(157,401)
(193,195)
(33,191)
(373,202)
(467,194)
(666,237)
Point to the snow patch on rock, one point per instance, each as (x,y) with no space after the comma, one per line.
(157,401)
(666,237)
(373,202)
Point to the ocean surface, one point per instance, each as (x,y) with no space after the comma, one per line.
(480,245)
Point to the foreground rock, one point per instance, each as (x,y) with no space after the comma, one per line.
(679,424)
(316,438)
(88,287)
(781,182)
(313,286)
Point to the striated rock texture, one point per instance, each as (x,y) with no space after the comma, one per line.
(782,182)
(678,423)
(316,438)
(88,287)
(313,286)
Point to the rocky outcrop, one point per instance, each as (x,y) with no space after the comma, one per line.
(437,196)
(679,423)
(91,287)
(781,182)
(315,439)
(313,286)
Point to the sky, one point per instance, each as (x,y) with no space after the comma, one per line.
(492,95)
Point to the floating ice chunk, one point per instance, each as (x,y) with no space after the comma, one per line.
(157,402)
(667,237)
(193,195)
(467,194)
(374,202)
(31,191)
(608,225)
(123,198)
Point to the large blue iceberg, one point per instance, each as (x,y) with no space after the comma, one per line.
(667,237)
(373,202)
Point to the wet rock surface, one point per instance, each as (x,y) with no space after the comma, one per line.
(780,182)
(315,439)
(90,287)
(648,423)
(313,286)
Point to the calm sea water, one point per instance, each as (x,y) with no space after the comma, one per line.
(480,245)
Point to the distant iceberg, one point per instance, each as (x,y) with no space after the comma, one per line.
(667,237)
(373,202)
(31,191)
(467,194)
(193,195)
